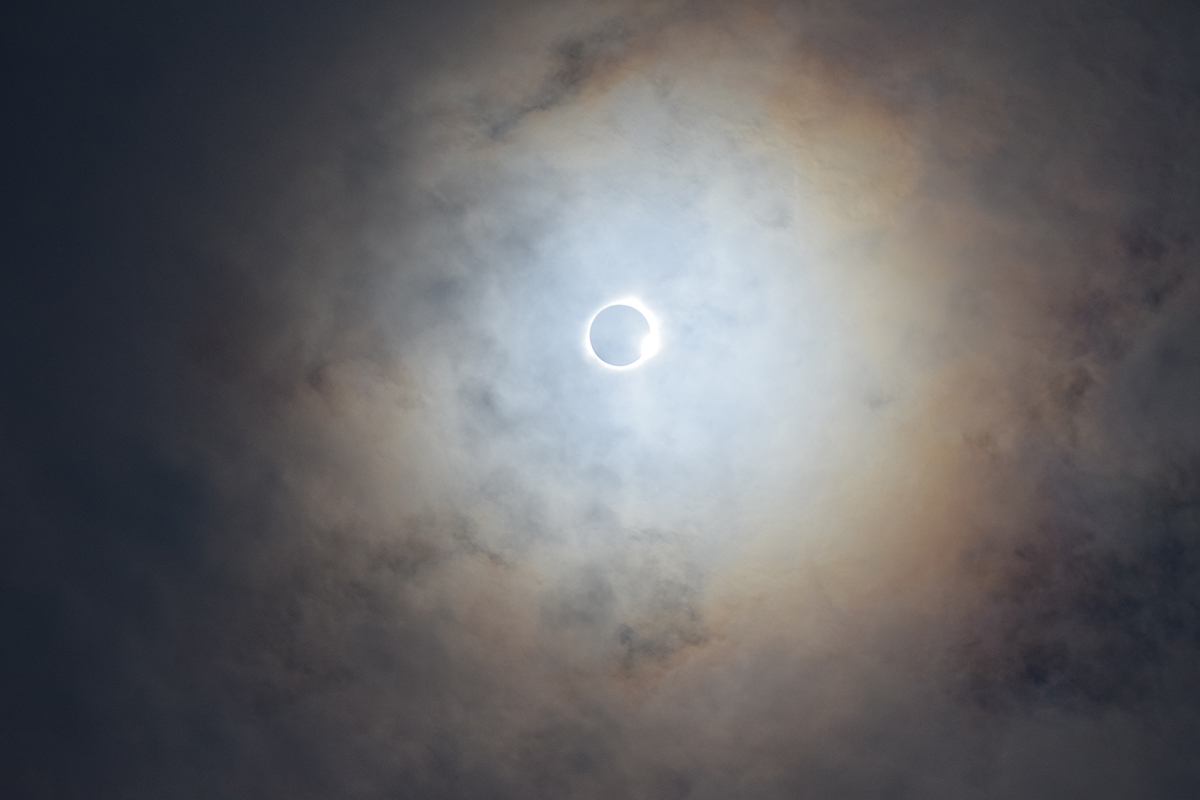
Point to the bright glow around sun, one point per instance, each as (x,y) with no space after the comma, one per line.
(650,345)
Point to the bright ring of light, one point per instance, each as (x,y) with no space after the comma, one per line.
(651,344)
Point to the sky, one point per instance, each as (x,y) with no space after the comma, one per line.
(311,488)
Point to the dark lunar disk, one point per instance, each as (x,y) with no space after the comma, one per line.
(617,334)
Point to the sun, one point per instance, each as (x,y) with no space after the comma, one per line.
(622,334)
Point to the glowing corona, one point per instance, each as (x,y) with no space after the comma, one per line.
(651,343)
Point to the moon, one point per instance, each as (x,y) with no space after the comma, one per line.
(622,335)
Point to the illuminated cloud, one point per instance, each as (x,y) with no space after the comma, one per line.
(904,505)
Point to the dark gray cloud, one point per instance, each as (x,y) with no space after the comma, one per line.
(315,491)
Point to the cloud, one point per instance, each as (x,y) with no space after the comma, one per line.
(905,506)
